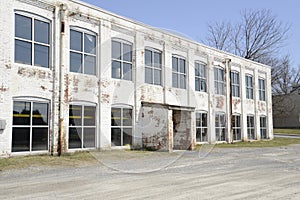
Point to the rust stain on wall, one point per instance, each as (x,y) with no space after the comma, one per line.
(105,98)
(219,102)
(66,91)
(3,88)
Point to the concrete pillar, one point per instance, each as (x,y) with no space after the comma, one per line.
(256,100)
(211,107)
(243,109)
(170,131)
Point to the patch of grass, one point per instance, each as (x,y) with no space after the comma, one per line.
(287,131)
(276,142)
(70,159)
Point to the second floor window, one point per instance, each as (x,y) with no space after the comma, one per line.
(261,89)
(153,63)
(219,80)
(235,84)
(32,40)
(121,60)
(82,52)
(178,72)
(249,87)
(200,77)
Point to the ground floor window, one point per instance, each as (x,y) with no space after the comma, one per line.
(30,129)
(201,127)
(250,127)
(236,127)
(82,126)
(121,126)
(220,126)
(263,127)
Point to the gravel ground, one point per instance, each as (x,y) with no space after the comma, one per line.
(235,173)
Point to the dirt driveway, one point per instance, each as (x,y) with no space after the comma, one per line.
(237,173)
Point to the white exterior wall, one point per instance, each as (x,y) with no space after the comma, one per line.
(19,80)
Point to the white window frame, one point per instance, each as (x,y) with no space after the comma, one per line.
(178,73)
(262,89)
(263,129)
(219,84)
(249,86)
(235,128)
(203,129)
(152,66)
(200,67)
(235,83)
(219,127)
(251,129)
(32,41)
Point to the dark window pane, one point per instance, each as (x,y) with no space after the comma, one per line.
(40,114)
(204,120)
(174,64)
(116,50)
(198,119)
(182,81)
(127,117)
(197,84)
(157,59)
(21,113)
(75,113)
(116,69)
(174,80)
(182,65)
(20,139)
(127,71)
(148,75)
(74,138)
(127,136)
(39,139)
(41,55)
(23,52)
(204,135)
(202,71)
(198,135)
(115,117)
(115,137)
(90,65)
(148,57)
(76,40)
(157,77)
(89,44)
(41,31)
(23,27)
(203,86)
(127,53)
(197,69)
(89,116)
(89,137)
(75,62)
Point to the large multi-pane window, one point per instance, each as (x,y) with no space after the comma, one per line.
(236,127)
(153,64)
(250,127)
(178,72)
(82,126)
(201,127)
(261,89)
(32,40)
(263,127)
(200,77)
(121,126)
(82,51)
(30,128)
(219,80)
(121,60)
(220,126)
(249,87)
(235,84)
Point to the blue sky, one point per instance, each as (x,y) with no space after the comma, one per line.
(190,17)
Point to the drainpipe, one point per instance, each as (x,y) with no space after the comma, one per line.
(63,9)
(229,101)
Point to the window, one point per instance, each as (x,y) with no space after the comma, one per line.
(121,126)
(30,128)
(200,77)
(82,52)
(178,72)
(32,40)
(219,80)
(263,127)
(235,84)
(201,127)
(262,89)
(249,87)
(236,127)
(220,126)
(82,126)
(121,60)
(153,63)
(250,127)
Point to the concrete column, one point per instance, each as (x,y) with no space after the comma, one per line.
(243,100)
(211,107)
(228,100)
(170,131)
(256,99)
(269,105)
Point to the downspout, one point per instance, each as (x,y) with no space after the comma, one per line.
(61,66)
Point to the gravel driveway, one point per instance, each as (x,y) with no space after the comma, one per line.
(211,173)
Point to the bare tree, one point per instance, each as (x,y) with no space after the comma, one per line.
(218,35)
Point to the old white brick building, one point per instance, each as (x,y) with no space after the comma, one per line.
(74,76)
